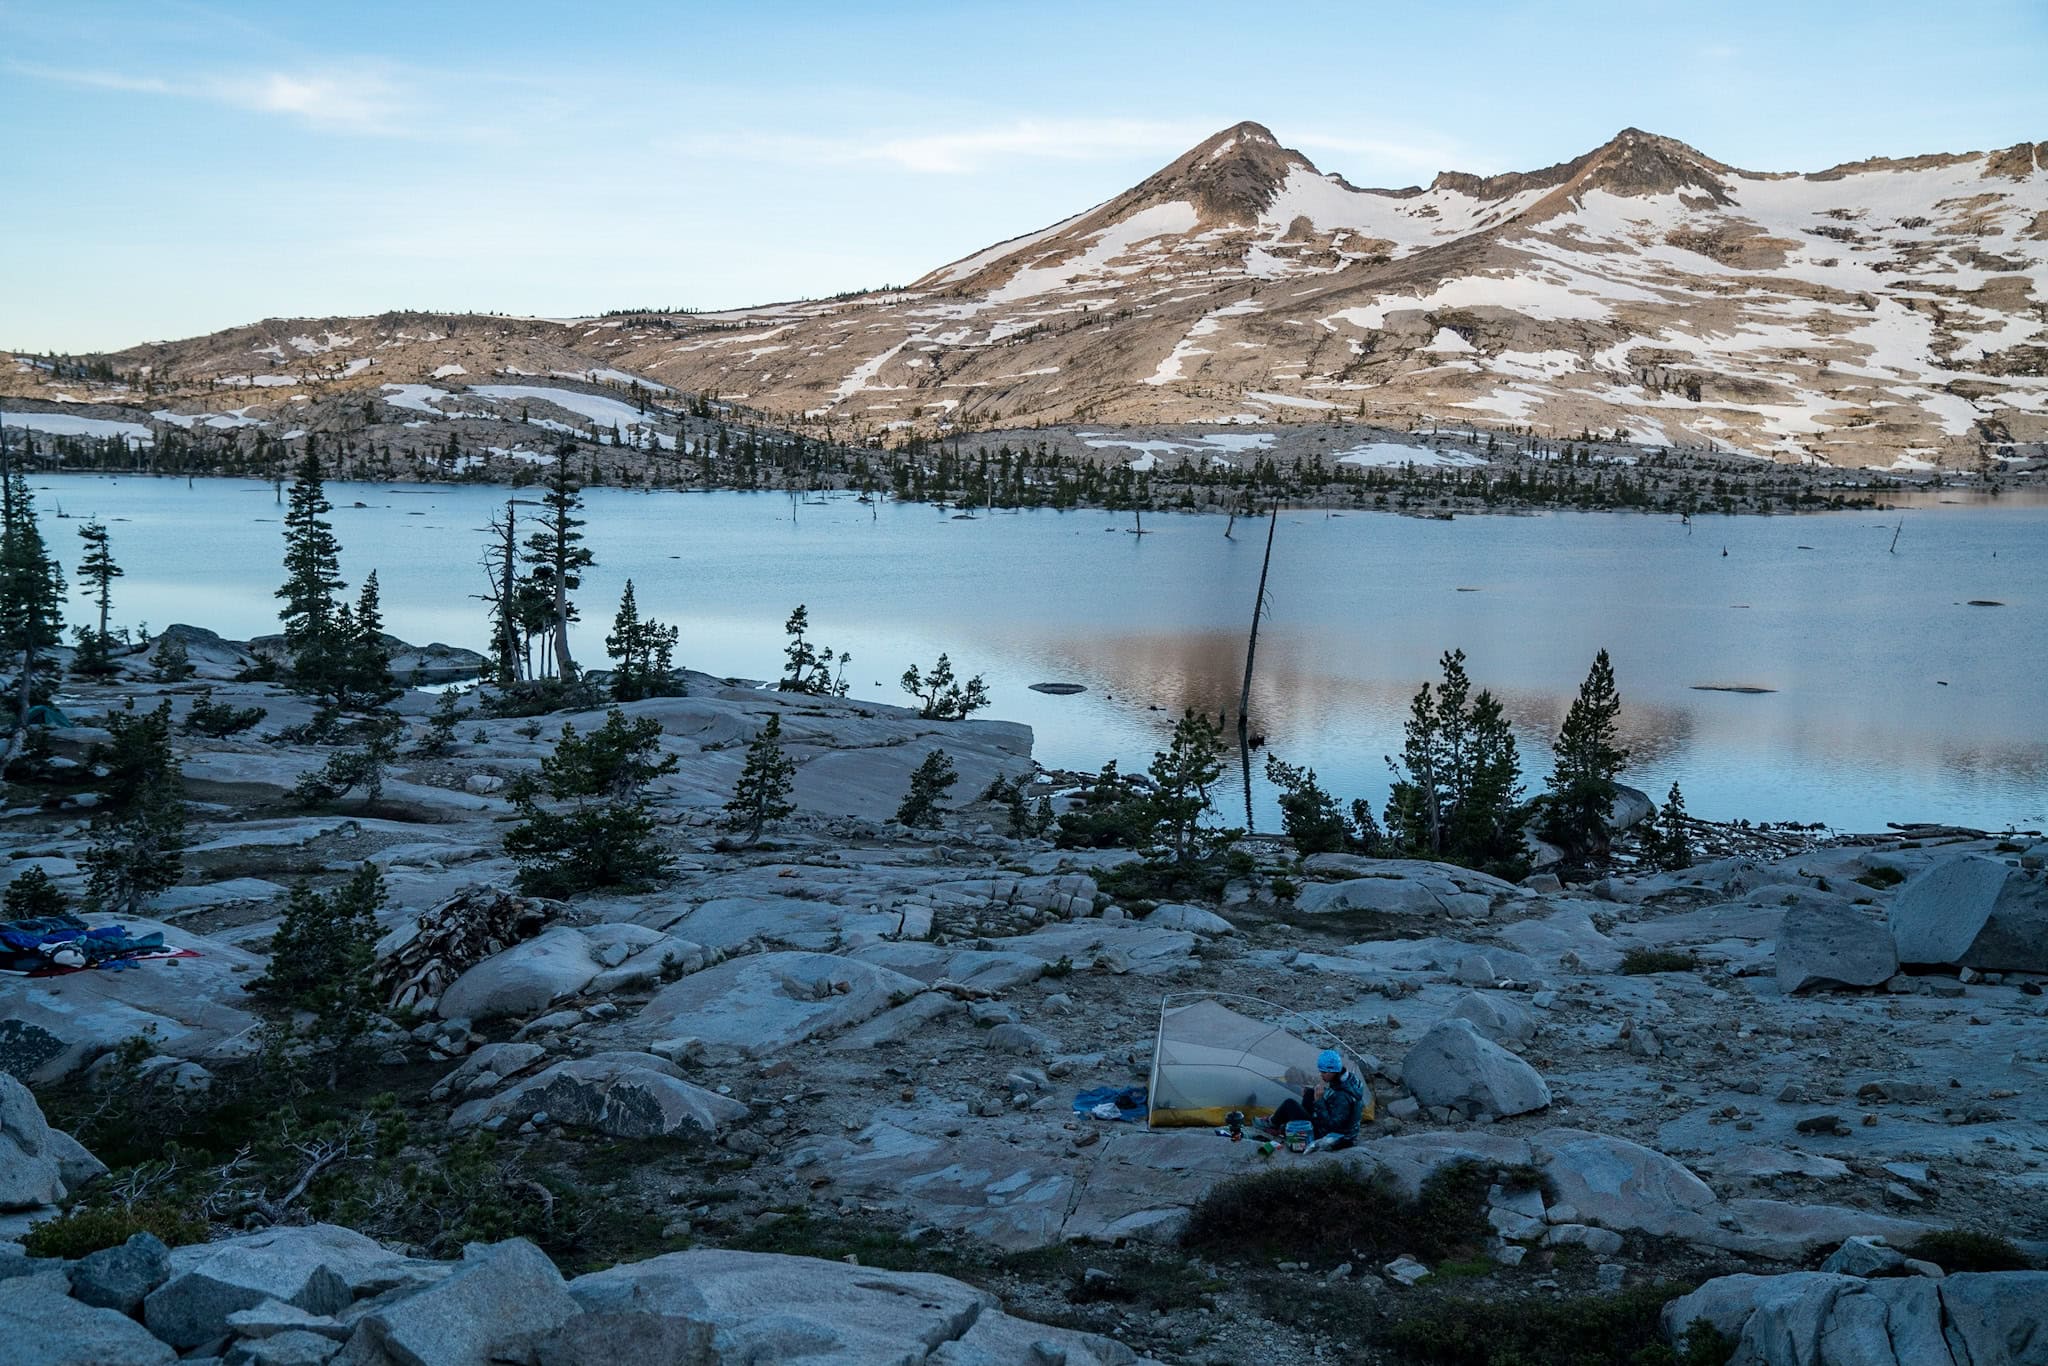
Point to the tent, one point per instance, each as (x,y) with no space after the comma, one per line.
(1210,1060)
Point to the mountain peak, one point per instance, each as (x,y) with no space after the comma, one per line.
(1229,176)
(1635,162)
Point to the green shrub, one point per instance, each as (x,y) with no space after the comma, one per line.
(1961,1249)
(88,1229)
(1594,1330)
(1638,962)
(1882,877)
(1332,1211)
(219,719)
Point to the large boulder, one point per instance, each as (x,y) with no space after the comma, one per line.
(525,979)
(1812,1318)
(762,1307)
(1828,946)
(1496,1015)
(319,1268)
(1997,1316)
(1193,918)
(120,1277)
(1621,1185)
(625,1095)
(51,1027)
(766,1002)
(1455,1065)
(29,1173)
(41,1325)
(1419,892)
(498,1297)
(1974,912)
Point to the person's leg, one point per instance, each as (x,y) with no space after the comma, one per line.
(1290,1109)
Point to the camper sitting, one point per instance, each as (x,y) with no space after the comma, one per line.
(1336,1108)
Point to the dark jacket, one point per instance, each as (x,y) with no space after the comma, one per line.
(1340,1108)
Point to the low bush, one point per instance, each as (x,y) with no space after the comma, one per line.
(1961,1249)
(1638,962)
(1592,1330)
(1333,1211)
(87,1229)
(1881,878)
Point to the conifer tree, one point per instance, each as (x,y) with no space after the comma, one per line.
(643,653)
(32,896)
(359,768)
(1588,759)
(940,696)
(1308,814)
(929,783)
(594,828)
(321,962)
(96,645)
(808,668)
(170,662)
(313,635)
(31,608)
(1457,790)
(761,796)
(558,550)
(1182,776)
(1671,840)
(138,838)
(366,679)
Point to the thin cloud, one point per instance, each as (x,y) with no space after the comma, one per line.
(337,101)
(962,151)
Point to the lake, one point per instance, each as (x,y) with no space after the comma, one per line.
(1892,698)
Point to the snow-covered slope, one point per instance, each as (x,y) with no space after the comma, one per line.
(1870,314)
(1885,311)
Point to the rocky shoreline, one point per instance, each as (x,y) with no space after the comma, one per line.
(1763,1079)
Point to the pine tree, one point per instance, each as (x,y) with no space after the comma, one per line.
(169,662)
(1670,843)
(360,767)
(643,652)
(312,562)
(761,796)
(31,608)
(366,679)
(940,696)
(138,838)
(1182,776)
(929,783)
(96,645)
(32,896)
(558,549)
(501,564)
(595,829)
(1588,759)
(321,961)
(807,668)
(1308,814)
(439,737)
(1457,790)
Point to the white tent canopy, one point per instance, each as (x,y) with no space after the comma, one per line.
(1210,1060)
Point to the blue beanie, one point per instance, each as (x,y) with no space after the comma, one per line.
(1329,1060)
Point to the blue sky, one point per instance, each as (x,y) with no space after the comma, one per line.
(173,168)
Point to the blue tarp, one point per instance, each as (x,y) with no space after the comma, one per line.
(1130,1102)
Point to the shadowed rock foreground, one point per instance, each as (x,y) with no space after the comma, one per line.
(859,1036)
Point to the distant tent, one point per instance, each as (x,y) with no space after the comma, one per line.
(1210,1060)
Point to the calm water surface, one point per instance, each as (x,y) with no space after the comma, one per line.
(1893,699)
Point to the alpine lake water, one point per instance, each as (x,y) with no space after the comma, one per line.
(1779,668)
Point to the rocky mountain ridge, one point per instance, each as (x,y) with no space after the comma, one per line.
(1886,312)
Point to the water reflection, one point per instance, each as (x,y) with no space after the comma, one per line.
(1894,700)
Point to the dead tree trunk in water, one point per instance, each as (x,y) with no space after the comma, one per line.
(1251,649)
